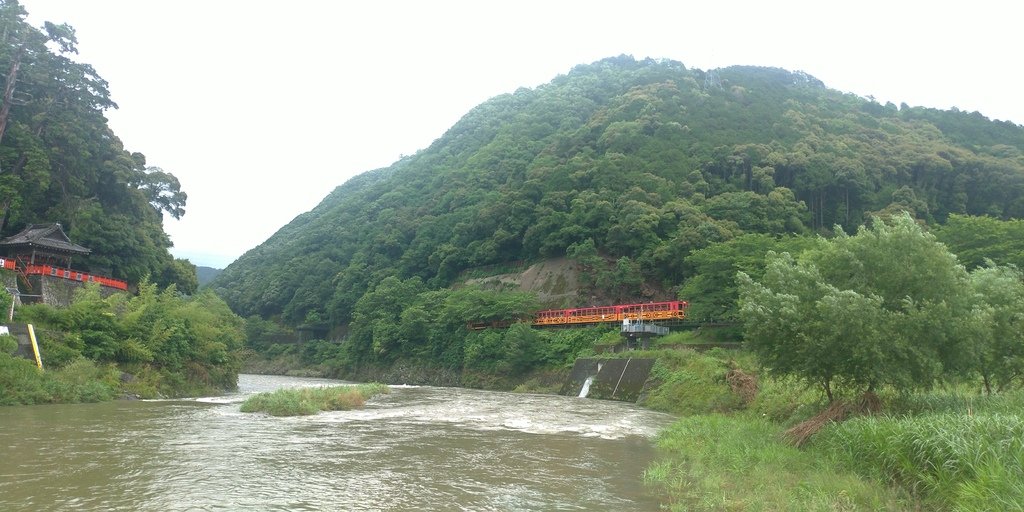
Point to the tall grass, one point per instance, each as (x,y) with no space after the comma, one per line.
(949,460)
(80,381)
(739,462)
(306,401)
(689,382)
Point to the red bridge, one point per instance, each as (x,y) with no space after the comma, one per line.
(45,250)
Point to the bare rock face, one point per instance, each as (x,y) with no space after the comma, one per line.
(555,281)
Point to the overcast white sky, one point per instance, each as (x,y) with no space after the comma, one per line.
(261,108)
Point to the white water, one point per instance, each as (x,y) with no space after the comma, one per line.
(416,448)
(586,387)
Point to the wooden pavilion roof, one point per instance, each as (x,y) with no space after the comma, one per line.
(45,237)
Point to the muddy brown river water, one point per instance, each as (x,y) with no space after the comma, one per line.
(417,448)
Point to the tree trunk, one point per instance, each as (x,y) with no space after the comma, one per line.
(12,78)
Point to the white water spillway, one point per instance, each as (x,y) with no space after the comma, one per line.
(586,386)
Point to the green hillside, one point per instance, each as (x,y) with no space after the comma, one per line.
(631,166)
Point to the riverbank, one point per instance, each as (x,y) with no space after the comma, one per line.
(729,449)
(735,444)
(21,383)
(303,361)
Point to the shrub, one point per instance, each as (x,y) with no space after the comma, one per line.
(21,382)
(689,382)
(8,344)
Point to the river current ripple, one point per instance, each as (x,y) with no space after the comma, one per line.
(417,448)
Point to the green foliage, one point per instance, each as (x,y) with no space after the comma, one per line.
(8,344)
(80,381)
(713,291)
(954,461)
(689,383)
(509,352)
(880,307)
(61,162)
(307,401)
(260,333)
(977,239)
(628,167)
(173,345)
(5,299)
(717,462)
(995,326)
(785,401)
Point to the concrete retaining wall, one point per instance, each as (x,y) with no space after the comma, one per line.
(614,379)
(20,332)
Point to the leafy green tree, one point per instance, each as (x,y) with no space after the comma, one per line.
(996,325)
(173,345)
(878,308)
(712,290)
(376,322)
(975,239)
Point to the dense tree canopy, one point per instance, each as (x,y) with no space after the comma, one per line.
(640,163)
(60,162)
(887,306)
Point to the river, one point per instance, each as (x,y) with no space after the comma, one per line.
(417,448)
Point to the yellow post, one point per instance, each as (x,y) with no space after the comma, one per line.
(35,346)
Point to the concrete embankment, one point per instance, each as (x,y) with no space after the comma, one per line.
(610,379)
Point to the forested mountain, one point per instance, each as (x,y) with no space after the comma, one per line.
(637,164)
(60,161)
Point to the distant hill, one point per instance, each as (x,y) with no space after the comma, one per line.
(207,274)
(637,163)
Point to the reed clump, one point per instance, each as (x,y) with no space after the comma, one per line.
(307,401)
(949,460)
(740,462)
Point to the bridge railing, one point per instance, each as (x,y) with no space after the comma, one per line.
(75,275)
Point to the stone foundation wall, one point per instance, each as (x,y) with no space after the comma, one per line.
(56,291)
(9,280)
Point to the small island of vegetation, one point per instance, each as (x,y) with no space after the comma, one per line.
(307,401)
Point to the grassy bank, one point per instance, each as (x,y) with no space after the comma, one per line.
(944,450)
(21,383)
(741,463)
(307,401)
(727,451)
(962,459)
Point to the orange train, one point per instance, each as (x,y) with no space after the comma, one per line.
(656,311)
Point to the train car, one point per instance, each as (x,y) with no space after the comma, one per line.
(651,311)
